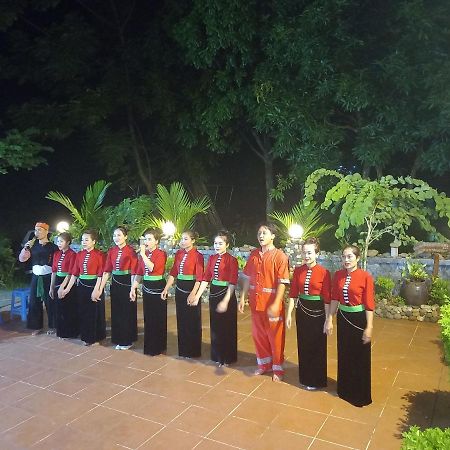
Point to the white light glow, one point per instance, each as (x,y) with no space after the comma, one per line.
(295,231)
(62,226)
(168,229)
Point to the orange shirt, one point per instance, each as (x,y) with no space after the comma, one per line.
(265,272)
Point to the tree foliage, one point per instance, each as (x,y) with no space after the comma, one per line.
(378,207)
(91,213)
(175,205)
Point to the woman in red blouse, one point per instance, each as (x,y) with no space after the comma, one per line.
(67,307)
(151,268)
(121,262)
(352,294)
(222,273)
(310,292)
(188,270)
(87,271)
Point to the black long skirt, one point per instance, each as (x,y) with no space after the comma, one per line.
(354,359)
(35,313)
(92,314)
(123,311)
(223,327)
(189,321)
(311,343)
(67,321)
(155,317)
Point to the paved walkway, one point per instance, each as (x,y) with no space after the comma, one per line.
(57,394)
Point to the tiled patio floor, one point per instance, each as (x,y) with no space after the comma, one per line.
(57,394)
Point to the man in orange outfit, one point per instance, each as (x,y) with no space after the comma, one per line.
(264,278)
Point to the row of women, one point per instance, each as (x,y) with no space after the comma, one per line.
(316,298)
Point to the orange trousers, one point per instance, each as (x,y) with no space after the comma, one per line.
(269,337)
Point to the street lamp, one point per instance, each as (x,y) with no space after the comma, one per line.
(169,228)
(62,226)
(295,231)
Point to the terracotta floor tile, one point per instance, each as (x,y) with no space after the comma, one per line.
(130,401)
(11,416)
(261,412)
(273,437)
(98,391)
(149,363)
(6,381)
(237,432)
(47,377)
(241,382)
(17,391)
(71,384)
(76,363)
(276,392)
(210,374)
(209,444)
(197,420)
(173,439)
(57,408)
(413,381)
(319,444)
(179,368)
(319,401)
(99,420)
(220,400)
(349,433)
(29,432)
(131,432)
(67,438)
(114,374)
(382,441)
(17,369)
(160,410)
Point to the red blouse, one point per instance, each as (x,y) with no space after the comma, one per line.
(360,290)
(158,258)
(63,261)
(88,266)
(226,271)
(319,282)
(126,261)
(192,264)
(265,272)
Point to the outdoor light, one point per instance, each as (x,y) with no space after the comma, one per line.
(168,229)
(62,226)
(295,231)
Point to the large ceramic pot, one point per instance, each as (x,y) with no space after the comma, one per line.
(415,293)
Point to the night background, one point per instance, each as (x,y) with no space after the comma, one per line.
(234,99)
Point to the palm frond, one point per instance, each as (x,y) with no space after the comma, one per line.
(66,202)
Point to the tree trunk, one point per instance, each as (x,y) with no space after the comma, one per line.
(263,150)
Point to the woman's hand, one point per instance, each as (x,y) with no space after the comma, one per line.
(133,295)
(51,292)
(164,294)
(192,300)
(367,335)
(328,326)
(222,306)
(288,321)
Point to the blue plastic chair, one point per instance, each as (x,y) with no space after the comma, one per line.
(20,308)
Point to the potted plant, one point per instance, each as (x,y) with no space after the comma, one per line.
(415,286)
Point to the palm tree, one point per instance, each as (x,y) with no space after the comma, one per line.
(91,214)
(308,217)
(174,205)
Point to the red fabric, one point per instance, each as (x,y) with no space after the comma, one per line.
(158,258)
(269,338)
(265,270)
(360,291)
(128,259)
(228,268)
(319,283)
(94,266)
(193,264)
(67,263)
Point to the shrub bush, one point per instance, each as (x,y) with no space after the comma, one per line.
(428,439)
(444,322)
(439,292)
(7,262)
(384,287)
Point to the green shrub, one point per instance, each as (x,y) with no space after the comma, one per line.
(428,439)
(241,262)
(7,262)
(384,287)
(414,271)
(439,292)
(169,263)
(444,322)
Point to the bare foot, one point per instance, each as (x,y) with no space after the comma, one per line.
(277,378)
(259,371)
(36,332)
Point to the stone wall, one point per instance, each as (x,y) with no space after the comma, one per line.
(423,313)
